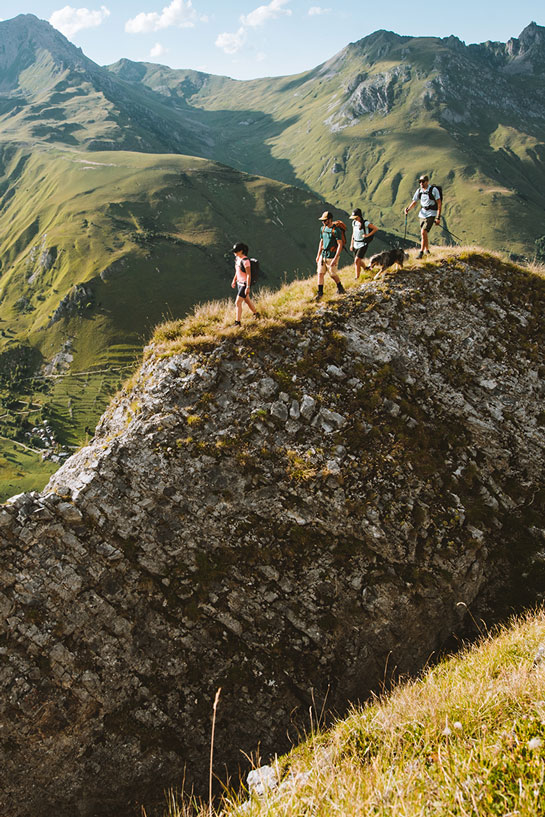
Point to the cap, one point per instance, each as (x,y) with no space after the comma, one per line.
(239,247)
(326,215)
(356,213)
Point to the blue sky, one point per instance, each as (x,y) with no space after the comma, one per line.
(246,38)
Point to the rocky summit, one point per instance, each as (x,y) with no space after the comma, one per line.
(289,515)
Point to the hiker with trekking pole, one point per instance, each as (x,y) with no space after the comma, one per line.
(332,241)
(430,199)
(363,233)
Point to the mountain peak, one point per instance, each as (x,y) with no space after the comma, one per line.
(527,52)
(21,40)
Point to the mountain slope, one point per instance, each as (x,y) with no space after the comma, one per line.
(51,93)
(283,517)
(97,249)
(360,128)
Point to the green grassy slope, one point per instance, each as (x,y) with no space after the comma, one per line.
(360,128)
(466,739)
(98,248)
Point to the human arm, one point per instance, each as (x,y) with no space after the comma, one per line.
(410,207)
(372,230)
(438,202)
(320,248)
(248,270)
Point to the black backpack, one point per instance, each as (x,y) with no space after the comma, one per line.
(366,238)
(255,269)
(433,203)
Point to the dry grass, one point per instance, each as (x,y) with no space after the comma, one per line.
(466,739)
(214,320)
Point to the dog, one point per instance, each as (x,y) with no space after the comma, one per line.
(386,259)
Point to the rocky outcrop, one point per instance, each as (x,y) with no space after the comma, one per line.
(284,517)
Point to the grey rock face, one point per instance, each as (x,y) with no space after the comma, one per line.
(283,538)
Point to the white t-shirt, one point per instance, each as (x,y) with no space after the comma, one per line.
(423,197)
(358,233)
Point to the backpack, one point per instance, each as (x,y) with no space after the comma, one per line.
(255,269)
(342,227)
(334,241)
(366,238)
(433,204)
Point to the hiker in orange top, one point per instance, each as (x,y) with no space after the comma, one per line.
(242,279)
(329,250)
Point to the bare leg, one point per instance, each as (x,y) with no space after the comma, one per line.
(424,246)
(248,301)
(238,308)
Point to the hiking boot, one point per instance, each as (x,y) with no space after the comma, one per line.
(341,290)
(257,315)
(237,323)
(318,296)
(420,254)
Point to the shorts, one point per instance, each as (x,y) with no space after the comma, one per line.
(327,265)
(427,223)
(241,290)
(360,252)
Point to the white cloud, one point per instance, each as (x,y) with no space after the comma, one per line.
(318,10)
(158,50)
(231,43)
(262,14)
(69,20)
(179,13)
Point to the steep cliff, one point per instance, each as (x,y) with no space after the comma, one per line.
(282,514)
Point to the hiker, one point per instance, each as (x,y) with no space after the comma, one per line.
(242,279)
(430,210)
(362,235)
(329,250)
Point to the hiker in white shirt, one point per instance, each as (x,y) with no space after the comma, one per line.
(430,202)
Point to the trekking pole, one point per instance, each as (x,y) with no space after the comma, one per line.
(457,237)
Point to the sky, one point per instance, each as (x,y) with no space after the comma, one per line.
(244,39)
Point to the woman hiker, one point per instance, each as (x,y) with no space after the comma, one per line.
(362,234)
(242,279)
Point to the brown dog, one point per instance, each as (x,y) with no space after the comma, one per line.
(386,259)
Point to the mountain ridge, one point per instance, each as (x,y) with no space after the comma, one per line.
(280,517)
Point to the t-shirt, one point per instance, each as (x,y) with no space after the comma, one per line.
(330,236)
(425,200)
(243,267)
(358,233)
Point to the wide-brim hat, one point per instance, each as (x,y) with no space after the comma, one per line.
(326,215)
(356,213)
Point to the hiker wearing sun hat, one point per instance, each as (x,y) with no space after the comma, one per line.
(363,233)
(329,249)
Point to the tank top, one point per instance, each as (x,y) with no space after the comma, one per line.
(358,233)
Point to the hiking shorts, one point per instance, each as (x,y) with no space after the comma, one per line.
(327,265)
(427,223)
(241,290)
(360,251)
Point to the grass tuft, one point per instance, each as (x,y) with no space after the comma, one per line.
(466,739)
